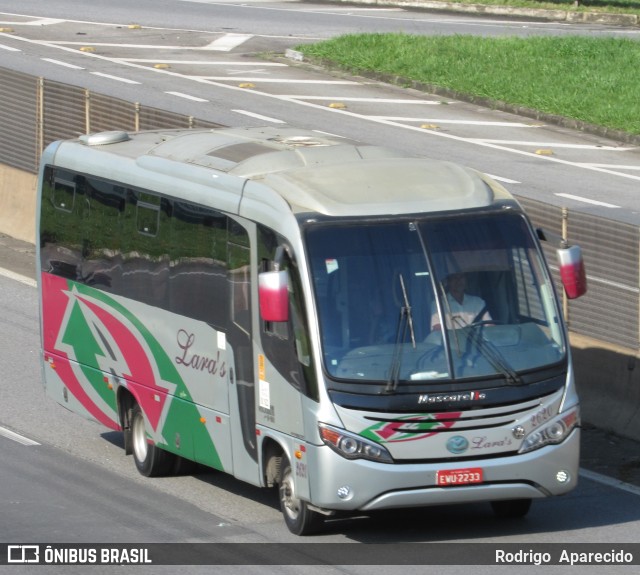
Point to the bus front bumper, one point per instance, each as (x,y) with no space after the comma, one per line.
(366,485)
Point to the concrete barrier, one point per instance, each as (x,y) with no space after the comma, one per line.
(608,381)
(18,203)
(607,376)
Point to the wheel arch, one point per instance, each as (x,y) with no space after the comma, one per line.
(272,454)
(126,399)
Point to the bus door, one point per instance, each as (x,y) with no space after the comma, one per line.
(241,376)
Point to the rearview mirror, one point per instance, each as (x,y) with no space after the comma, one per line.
(273,293)
(572,272)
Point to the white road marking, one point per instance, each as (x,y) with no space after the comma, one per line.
(228,42)
(587,200)
(60,63)
(17,437)
(18,277)
(9,48)
(40,22)
(272,80)
(616,166)
(199,62)
(116,78)
(259,116)
(462,122)
(554,145)
(187,96)
(372,100)
(505,180)
(609,481)
(431,133)
(225,43)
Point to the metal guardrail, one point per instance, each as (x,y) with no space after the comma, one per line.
(35,112)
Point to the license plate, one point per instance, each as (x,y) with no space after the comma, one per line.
(459,476)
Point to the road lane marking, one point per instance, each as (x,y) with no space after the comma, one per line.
(259,116)
(264,80)
(463,122)
(587,200)
(116,78)
(61,63)
(40,22)
(187,96)
(18,277)
(224,44)
(555,145)
(200,62)
(228,42)
(432,133)
(17,437)
(617,166)
(609,481)
(505,180)
(371,100)
(9,48)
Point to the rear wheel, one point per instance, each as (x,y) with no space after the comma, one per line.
(299,519)
(150,460)
(511,508)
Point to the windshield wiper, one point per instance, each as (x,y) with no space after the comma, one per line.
(405,323)
(491,354)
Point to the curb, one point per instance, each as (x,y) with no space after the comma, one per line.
(570,16)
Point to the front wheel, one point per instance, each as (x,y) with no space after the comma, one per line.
(150,460)
(299,519)
(511,508)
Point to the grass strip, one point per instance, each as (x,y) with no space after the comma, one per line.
(593,80)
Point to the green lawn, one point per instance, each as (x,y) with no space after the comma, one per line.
(594,80)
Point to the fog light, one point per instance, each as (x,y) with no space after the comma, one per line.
(562,476)
(344,492)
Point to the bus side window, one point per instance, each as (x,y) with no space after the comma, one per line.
(287,344)
(62,224)
(102,265)
(198,264)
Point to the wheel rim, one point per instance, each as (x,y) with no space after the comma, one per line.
(291,504)
(139,436)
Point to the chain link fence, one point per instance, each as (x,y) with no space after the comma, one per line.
(35,112)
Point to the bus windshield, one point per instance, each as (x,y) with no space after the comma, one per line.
(433,299)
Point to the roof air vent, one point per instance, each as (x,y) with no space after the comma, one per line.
(104,138)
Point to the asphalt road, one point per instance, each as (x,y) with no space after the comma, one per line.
(77,485)
(216,61)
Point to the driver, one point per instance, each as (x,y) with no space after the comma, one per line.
(461,309)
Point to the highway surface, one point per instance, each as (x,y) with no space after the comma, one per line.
(217,61)
(64,479)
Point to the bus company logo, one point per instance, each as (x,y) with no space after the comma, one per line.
(411,427)
(457,444)
(431,398)
(23,554)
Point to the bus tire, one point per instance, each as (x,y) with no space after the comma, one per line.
(511,508)
(300,520)
(150,460)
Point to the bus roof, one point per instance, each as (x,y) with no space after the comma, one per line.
(312,172)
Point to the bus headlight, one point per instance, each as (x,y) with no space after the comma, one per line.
(352,446)
(553,432)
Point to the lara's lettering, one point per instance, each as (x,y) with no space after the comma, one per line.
(186,342)
(482,442)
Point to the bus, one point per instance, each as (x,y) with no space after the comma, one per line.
(280,305)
